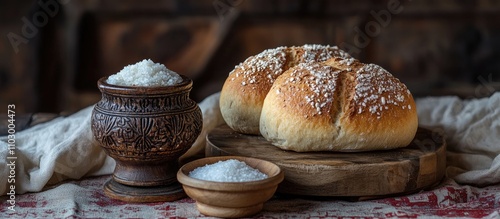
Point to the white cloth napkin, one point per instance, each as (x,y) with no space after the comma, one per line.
(52,152)
(472,130)
(64,147)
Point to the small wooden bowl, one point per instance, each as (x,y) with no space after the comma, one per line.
(230,199)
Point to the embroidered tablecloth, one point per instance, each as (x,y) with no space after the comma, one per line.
(85,199)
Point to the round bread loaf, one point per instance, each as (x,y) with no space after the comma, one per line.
(338,105)
(246,87)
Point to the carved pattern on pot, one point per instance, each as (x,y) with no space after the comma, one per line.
(125,104)
(148,137)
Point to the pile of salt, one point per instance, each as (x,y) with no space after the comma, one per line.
(145,73)
(227,171)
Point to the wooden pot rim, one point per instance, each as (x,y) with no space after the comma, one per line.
(184,86)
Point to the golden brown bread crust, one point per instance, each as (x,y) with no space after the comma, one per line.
(318,98)
(247,85)
(319,107)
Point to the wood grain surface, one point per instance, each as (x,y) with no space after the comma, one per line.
(356,174)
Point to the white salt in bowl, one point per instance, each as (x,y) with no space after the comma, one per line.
(231,199)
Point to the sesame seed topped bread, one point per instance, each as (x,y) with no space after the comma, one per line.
(334,104)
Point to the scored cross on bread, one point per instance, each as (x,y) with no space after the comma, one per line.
(318,107)
(338,104)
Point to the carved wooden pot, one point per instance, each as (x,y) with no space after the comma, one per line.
(146,130)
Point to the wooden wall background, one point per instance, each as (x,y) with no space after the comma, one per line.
(435,47)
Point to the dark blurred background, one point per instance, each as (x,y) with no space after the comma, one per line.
(53,52)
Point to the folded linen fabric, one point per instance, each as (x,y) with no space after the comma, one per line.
(64,148)
(472,130)
(52,152)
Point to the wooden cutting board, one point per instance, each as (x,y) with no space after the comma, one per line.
(356,174)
